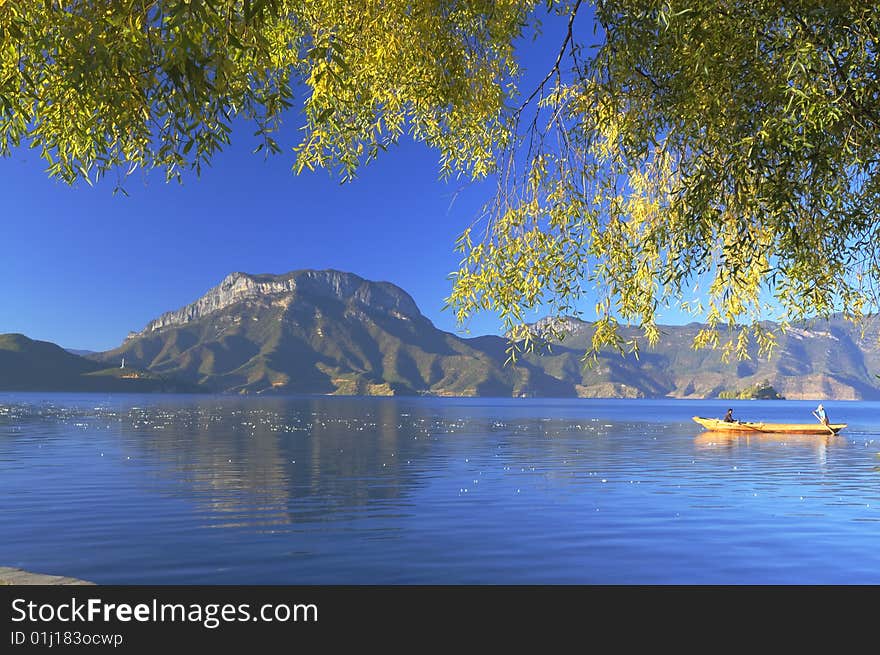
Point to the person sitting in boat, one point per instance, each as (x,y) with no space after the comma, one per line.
(728,418)
(820,414)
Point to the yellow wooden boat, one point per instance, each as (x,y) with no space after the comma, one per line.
(717,425)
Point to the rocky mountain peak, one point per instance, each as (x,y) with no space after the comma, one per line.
(549,326)
(305,285)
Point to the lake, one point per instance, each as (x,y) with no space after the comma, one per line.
(154,489)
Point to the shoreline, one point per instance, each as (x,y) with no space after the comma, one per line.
(13,576)
(308,396)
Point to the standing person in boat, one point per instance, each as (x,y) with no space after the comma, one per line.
(820,414)
(728,418)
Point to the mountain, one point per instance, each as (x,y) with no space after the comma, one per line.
(28,365)
(331,332)
(322,332)
(830,359)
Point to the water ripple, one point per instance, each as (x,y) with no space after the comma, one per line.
(201,489)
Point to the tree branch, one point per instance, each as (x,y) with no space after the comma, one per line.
(559,57)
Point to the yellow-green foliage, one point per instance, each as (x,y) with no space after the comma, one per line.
(712,155)
(115,85)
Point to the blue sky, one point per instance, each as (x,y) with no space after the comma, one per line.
(83,267)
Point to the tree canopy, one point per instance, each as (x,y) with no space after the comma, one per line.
(729,146)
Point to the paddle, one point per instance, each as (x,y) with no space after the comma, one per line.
(818,418)
(750,426)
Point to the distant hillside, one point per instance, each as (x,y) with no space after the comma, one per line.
(28,365)
(81,353)
(831,359)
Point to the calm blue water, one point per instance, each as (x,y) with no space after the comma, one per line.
(209,489)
